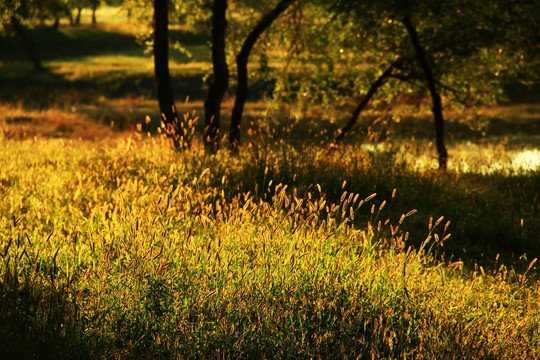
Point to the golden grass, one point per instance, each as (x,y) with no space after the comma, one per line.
(467,157)
(18,123)
(151,253)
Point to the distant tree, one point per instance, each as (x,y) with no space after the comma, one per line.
(94,4)
(16,17)
(54,9)
(77,19)
(77,5)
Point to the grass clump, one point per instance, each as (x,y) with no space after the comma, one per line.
(130,250)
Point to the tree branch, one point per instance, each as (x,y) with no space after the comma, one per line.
(242,62)
(381,80)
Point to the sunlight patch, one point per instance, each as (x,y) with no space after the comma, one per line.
(527,160)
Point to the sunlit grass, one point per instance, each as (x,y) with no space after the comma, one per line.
(128,249)
(526,160)
(112,16)
(86,67)
(487,158)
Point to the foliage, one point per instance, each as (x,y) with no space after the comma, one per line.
(31,12)
(462,38)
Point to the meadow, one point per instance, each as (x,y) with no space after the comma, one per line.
(115,246)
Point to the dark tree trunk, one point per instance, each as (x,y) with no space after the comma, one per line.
(95,4)
(219,83)
(29,45)
(435,96)
(78,16)
(162,74)
(381,80)
(56,23)
(241,63)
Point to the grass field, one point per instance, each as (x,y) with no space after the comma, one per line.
(115,246)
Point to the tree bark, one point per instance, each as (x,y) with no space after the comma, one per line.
(56,24)
(95,4)
(435,96)
(219,83)
(241,62)
(162,75)
(381,80)
(78,17)
(29,45)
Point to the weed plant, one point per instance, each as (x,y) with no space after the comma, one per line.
(130,250)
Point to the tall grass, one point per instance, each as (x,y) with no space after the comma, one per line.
(122,248)
(130,250)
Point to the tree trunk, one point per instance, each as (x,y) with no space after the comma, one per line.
(435,97)
(56,23)
(29,45)
(169,115)
(381,80)
(219,84)
(241,63)
(95,4)
(78,16)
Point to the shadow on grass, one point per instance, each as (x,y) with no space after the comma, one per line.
(50,89)
(38,321)
(69,42)
(85,41)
